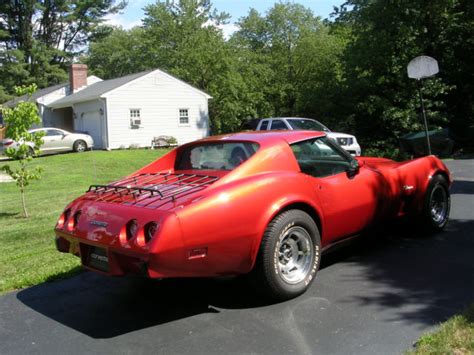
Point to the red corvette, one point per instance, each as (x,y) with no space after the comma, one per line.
(269,203)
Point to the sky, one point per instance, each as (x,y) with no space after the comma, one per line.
(132,14)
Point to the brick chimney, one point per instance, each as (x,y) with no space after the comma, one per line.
(77,77)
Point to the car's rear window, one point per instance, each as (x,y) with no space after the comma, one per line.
(215,156)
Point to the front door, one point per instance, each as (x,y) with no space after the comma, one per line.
(349,202)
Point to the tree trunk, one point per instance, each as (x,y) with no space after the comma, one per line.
(25,212)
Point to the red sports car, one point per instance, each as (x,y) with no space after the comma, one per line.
(269,203)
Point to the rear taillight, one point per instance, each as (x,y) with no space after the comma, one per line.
(62,219)
(146,234)
(60,223)
(128,231)
(142,235)
(131,229)
(76,218)
(7,143)
(149,231)
(73,221)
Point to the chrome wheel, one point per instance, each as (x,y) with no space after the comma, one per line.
(438,204)
(289,255)
(295,255)
(80,146)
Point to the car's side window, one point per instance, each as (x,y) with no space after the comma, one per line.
(264,125)
(53,132)
(278,125)
(319,158)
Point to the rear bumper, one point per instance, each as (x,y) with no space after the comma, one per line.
(119,262)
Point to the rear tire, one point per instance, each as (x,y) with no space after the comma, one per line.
(80,146)
(437,204)
(289,255)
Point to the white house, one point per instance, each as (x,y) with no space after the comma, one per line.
(126,111)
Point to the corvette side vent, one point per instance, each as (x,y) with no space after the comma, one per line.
(150,190)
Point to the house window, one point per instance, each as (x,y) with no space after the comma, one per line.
(135,118)
(183,116)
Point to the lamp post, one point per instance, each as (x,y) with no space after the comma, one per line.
(419,68)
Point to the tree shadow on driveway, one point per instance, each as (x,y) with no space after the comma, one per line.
(423,279)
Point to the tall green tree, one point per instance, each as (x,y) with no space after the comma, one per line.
(319,84)
(386,35)
(119,53)
(183,37)
(293,60)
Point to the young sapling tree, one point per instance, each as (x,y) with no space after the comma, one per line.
(18,121)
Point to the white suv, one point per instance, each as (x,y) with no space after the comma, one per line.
(346,141)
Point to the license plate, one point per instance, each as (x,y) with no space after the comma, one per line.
(98,259)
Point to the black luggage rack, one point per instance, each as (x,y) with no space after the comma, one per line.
(151,189)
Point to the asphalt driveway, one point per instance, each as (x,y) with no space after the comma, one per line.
(369,299)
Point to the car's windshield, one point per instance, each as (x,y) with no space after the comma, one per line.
(215,156)
(307,125)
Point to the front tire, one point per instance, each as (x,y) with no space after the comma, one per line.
(80,146)
(437,204)
(289,255)
(31,152)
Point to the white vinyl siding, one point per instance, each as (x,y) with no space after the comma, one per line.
(160,99)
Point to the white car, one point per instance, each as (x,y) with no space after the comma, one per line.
(55,140)
(346,141)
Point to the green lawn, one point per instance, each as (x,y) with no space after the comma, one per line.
(27,252)
(455,336)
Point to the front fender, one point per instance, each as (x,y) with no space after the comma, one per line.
(418,173)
